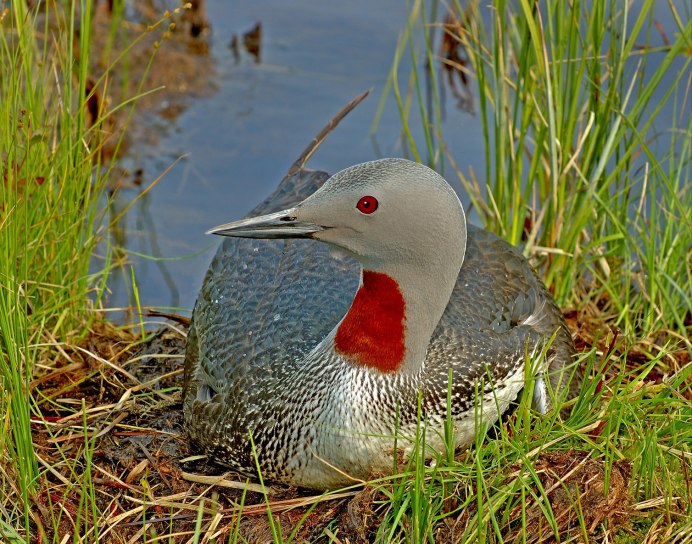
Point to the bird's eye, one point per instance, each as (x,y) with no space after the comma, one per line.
(367,204)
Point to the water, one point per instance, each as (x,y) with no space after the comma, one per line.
(250,118)
(238,142)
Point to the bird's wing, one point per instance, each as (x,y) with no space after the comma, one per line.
(499,306)
(264,304)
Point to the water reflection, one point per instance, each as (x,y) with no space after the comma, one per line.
(252,44)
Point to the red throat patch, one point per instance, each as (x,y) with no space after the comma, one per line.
(372,333)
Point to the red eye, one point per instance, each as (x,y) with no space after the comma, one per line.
(367,204)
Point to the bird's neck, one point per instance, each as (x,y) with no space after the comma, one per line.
(393,316)
(373,332)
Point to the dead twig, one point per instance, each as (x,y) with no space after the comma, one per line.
(322,134)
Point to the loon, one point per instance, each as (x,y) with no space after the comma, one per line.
(309,353)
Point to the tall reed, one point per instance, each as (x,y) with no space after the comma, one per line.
(585,114)
(54,123)
(49,196)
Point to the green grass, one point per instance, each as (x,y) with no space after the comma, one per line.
(573,147)
(49,193)
(498,486)
(53,176)
(574,143)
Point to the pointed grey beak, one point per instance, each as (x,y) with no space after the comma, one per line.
(281,224)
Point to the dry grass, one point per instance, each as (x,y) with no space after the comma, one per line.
(111,406)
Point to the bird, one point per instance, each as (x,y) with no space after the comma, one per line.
(346,311)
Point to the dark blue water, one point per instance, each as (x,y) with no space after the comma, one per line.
(240,141)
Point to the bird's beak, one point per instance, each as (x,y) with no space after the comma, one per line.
(282,224)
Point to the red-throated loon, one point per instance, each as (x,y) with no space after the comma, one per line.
(322,361)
